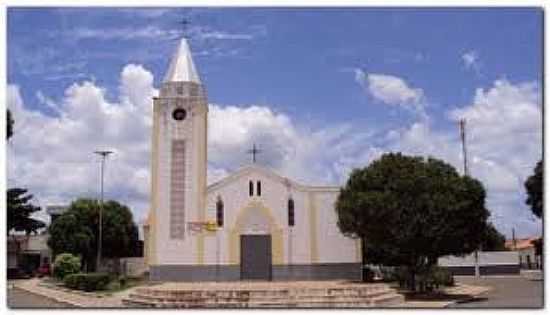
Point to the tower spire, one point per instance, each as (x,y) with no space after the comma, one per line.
(182,68)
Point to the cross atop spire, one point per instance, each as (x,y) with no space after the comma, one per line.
(254,151)
(182,68)
(184,23)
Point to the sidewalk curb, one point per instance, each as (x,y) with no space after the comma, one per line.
(456,302)
(71,291)
(466,300)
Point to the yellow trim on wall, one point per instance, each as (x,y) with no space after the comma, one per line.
(235,232)
(152,247)
(358,250)
(277,246)
(313,244)
(234,249)
(200,137)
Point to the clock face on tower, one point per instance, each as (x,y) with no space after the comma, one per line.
(179,114)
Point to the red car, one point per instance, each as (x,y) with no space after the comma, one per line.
(44,270)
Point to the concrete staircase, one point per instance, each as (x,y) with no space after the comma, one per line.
(341,295)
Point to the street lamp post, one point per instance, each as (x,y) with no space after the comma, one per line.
(103,155)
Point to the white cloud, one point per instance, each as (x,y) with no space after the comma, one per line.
(292,149)
(504,141)
(145,12)
(225,35)
(470,59)
(147,32)
(154,32)
(391,90)
(52,156)
(46,101)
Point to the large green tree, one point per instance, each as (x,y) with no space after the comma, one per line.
(493,240)
(409,211)
(76,231)
(534,188)
(18,203)
(20,209)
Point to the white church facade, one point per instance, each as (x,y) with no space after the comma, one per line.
(253,224)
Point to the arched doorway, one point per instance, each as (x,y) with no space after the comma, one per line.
(255,228)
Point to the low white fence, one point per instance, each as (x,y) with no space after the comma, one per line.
(484,259)
(127,266)
(133,266)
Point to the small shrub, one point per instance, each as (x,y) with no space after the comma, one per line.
(65,264)
(426,280)
(71,281)
(87,281)
(443,277)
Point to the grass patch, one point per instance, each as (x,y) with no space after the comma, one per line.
(129,282)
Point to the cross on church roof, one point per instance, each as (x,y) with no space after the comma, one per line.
(184,26)
(254,151)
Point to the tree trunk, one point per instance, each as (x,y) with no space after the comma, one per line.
(412,280)
(432,261)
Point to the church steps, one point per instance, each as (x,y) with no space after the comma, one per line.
(170,298)
(305,304)
(259,291)
(352,297)
(299,299)
(257,295)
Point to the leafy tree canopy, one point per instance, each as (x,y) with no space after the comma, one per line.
(493,240)
(76,231)
(20,210)
(534,187)
(538,243)
(412,210)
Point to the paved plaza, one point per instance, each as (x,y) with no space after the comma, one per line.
(18,298)
(507,292)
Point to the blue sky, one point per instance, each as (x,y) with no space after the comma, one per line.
(361,81)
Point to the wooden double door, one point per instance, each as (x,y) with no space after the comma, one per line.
(256,257)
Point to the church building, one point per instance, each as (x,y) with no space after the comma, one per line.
(253,224)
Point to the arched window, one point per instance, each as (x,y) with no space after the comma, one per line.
(290,212)
(259,188)
(219,211)
(250,188)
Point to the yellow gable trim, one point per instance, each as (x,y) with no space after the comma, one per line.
(200,137)
(276,234)
(314,251)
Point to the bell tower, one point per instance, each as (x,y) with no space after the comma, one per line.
(178,164)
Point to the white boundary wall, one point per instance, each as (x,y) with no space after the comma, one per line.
(485,259)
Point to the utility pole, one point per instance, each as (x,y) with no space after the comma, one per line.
(103,155)
(462,125)
(514,238)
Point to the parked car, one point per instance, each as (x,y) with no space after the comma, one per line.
(44,270)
